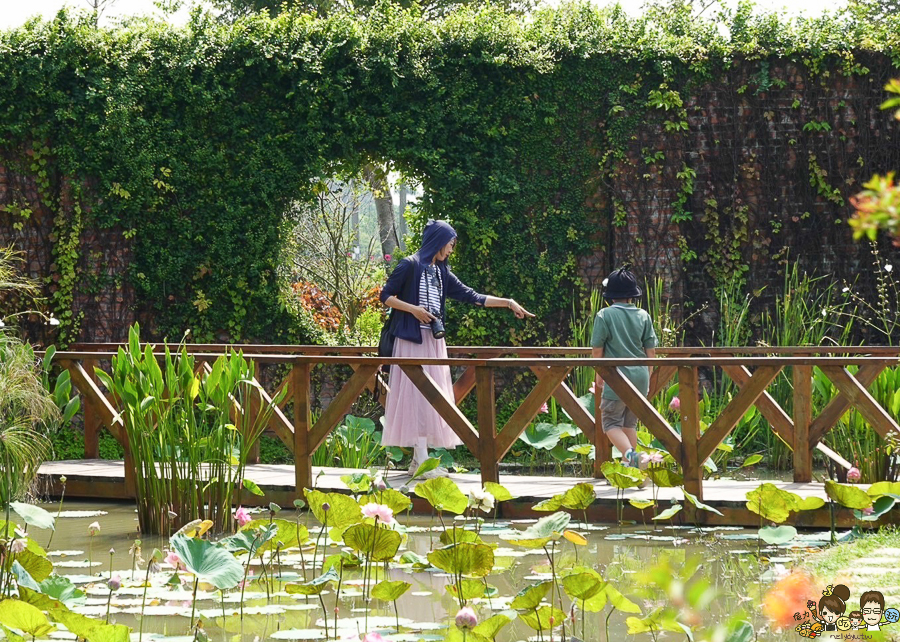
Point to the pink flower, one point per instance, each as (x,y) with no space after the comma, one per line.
(868,510)
(675,404)
(544,408)
(382,513)
(466,619)
(379,484)
(18,546)
(172,559)
(93,528)
(387,257)
(373,637)
(114,583)
(853,474)
(242,516)
(656,457)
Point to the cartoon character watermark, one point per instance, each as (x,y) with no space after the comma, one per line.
(829,613)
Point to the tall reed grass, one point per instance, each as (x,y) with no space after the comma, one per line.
(189,429)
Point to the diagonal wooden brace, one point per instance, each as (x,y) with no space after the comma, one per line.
(729,417)
(836,408)
(444,406)
(340,405)
(856,392)
(660,378)
(641,406)
(95,397)
(548,381)
(569,402)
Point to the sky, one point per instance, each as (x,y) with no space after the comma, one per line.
(15,12)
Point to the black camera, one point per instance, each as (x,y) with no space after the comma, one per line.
(437,325)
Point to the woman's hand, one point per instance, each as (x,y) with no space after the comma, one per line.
(518,310)
(423,315)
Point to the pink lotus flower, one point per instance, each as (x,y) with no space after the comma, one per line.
(868,510)
(114,583)
(382,513)
(544,408)
(675,404)
(853,474)
(387,257)
(172,559)
(93,528)
(466,619)
(373,637)
(242,516)
(656,457)
(18,546)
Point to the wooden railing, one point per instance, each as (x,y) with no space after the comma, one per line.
(752,370)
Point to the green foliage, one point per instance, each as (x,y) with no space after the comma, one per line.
(195,141)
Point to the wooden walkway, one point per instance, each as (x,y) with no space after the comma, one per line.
(104,479)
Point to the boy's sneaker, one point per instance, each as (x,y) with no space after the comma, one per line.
(633,458)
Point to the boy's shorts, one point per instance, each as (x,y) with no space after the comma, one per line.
(615,414)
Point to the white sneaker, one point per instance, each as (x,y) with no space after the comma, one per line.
(413,467)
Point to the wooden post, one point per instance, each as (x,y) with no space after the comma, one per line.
(802,419)
(688,394)
(602,445)
(487,425)
(92,420)
(302,422)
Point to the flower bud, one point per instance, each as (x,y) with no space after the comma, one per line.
(326,507)
(18,546)
(114,583)
(466,619)
(93,528)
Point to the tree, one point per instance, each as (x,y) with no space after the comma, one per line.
(430,8)
(325,249)
(874,9)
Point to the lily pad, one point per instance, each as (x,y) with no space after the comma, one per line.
(376,542)
(772,503)
(777,534)
(342,510)
(471,559)
(389,591)
(847,495)
(443,494)
(209,562)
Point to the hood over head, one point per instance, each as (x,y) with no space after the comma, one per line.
(435,236)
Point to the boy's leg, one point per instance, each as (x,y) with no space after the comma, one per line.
(620,439)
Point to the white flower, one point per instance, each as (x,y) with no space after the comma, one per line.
(888,268)
(53,320)
(2,325)
(845,290)
(481,499)
(824,312)
(605,281)
(18,546)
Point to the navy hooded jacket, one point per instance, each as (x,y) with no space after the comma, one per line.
(404,281)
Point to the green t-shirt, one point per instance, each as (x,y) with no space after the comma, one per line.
(625,331)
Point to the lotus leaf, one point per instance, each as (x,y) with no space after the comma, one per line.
(77,624)
(551,504)
(582,586)
(772,503)
(696,502)
(17,614)
(379,544)
(641,504)
(544,618)
(196,528)
(426,466)
(39,568)
(575,538)
(492,626)
(530,597)
(459,535)
(457,635)
(543,436)
(315,586)
(582,449)
(752,460)
(342,559)
(393,499)
(250,541)
(619,601)
(358,483)
(660,620)
(500,493)
(471,589)
(211,563)
(251,486)
(539,534)
(290,534)
(61,588)
(883,487)
(811,503)
(343,510)
(389,591)
(670,512)
(880,506)
(467,558)
(847,495)
(621,476)
(443,494)
(664,478)
(33,515)
(777,534)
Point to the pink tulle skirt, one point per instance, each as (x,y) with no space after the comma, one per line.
(408,416)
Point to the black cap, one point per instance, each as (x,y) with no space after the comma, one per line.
(621,284)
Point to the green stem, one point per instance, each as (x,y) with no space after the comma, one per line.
(144,600)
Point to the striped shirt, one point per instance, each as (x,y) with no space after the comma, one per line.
(430,287)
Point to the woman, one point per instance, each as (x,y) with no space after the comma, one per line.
(417,290)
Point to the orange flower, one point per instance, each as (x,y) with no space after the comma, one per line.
(788,596)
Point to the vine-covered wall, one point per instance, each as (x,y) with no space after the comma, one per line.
(145,170)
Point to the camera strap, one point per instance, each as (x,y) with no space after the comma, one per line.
(440,283)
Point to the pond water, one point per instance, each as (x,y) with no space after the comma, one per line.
(632,558)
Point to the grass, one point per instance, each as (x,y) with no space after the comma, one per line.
(840,559)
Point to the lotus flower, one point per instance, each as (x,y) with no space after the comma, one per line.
(466,619)
(544,408)
(853,474)
(387,257)
(380,484)
(172,559)
(114,583)
(675,404)
(242,516)
(380,512)
(93,528)
(481,499)
(18,546)
(373,637)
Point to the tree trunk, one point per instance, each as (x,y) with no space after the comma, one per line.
(376,177)
(402,228)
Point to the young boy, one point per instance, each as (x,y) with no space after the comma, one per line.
(623,331)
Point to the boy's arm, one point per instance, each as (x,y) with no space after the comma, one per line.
(597,353)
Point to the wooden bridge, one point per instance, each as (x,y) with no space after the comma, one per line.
(752,371)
